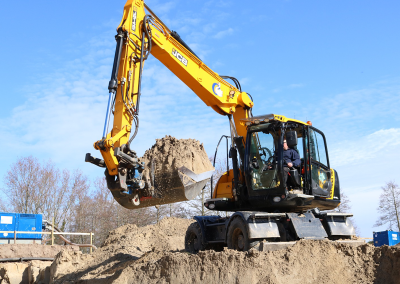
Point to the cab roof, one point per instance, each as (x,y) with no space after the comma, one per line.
(267,118)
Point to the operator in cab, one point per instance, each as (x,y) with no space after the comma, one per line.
(290,159)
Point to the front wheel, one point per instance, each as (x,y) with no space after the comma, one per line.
(238,237)
(194,239)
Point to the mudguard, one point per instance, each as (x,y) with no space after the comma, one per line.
(338,224)
(203,220)
(260,225)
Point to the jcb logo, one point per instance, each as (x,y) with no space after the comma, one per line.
(134,16)
(180,57)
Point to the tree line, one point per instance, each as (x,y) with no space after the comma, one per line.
(78,204)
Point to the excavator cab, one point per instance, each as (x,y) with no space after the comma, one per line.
(267,204)
(262,185)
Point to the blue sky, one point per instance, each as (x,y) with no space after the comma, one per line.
(335,63)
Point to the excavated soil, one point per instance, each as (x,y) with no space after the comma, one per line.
(32,250)
(154,254)
(162,162)
(28,271)
(170,153)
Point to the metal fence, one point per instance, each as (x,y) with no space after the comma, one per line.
(52,233)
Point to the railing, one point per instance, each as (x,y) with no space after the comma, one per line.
(52,233)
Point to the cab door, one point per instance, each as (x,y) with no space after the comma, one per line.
(260,163)
(318,170)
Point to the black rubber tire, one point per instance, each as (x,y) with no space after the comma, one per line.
(238,237)
(194,239)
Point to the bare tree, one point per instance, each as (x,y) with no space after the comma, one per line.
(98,212)
(2,206)
(344,206)
(179,210)
(21,182)
(35,188)
(389,206)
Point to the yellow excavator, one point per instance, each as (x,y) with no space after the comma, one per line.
(271,199)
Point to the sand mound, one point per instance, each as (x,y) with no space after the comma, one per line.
(31,250)
(168,234)
(153,254)
(167,155)
(163,183)
(170,153)
(306,262)
(122,245)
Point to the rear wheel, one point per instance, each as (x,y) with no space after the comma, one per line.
(194,239)
(238,237)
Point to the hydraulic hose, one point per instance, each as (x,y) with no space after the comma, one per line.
(215,156)
(26,259)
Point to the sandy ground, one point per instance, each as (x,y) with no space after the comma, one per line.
(154,254)
(32,250)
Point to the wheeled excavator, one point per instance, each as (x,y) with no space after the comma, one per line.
(264,206)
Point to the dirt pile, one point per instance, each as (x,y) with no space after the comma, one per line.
(165,181)
(306,262)
(31,250)
(170,153)
(25,272)
(154,254)
(28,271)
(168,235)
(124,244)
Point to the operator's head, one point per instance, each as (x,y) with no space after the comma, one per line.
(285,146)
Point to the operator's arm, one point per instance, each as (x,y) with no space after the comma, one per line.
(291,158)
(296,158)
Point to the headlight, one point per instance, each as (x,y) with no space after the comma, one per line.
(276,199)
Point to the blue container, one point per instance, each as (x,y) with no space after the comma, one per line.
(20,222)
(388,238)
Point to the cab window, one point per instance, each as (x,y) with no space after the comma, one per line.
(317,148)
(262,157)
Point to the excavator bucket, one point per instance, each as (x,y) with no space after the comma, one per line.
(179,185)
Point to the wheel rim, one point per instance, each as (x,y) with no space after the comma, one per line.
(194,243)
(238,239)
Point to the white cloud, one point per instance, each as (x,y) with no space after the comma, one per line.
(358,150)
(364,164)
(359,111)
(223,33)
